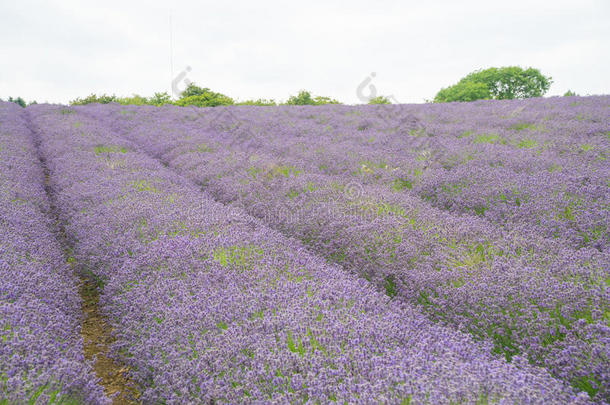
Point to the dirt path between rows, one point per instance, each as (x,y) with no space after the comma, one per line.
(97,339)
(96,333)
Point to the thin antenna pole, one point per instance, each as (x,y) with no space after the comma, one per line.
(171,51)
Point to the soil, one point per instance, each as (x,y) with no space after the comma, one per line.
(97,339)
(96,333)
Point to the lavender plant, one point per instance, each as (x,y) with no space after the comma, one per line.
(41,350)
(497,224)
(209,304)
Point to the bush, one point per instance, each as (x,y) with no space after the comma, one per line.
(202,97)
(160,99)
(569,93)
(463,91)
(259,102)
(380,100)
(304,98)
(17,100)
(133,100)
(497,83)
(93,98)
(194,90)
(321,100)
(197,96)
(205,100)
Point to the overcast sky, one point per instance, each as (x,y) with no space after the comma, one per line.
(56,51)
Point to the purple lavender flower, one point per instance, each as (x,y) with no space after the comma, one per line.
(490,216)
(208,303)
(41,349)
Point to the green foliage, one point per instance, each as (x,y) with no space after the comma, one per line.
(205,100)
(305,98)
(569,93)
(293,346)
(380,100)
(193,95)
(390,286)
(512,82)
(160,99)
(17,100)
(133,100)
(93,98)
(486,138)
(527,144)
(463,91)
(202,97)
(239,256)
(194,90)
(258,102)
(503,83)
(197,96)
(102,149)
(321,100)
(402,183)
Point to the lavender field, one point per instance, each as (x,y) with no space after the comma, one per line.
(413,254)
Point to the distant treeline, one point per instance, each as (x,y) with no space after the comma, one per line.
(197,96)
(490,84)
(19,100)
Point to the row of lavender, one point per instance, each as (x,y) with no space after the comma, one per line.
(41,350)
(208,303)
(522,164)
(509,272)
(534,166)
